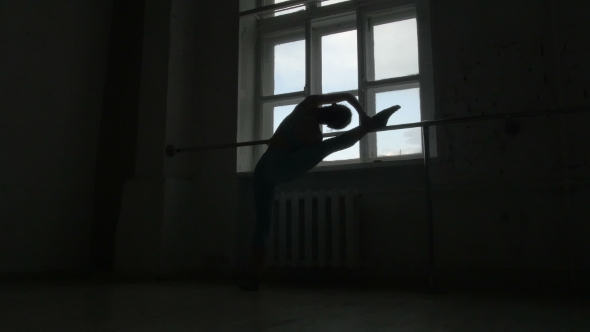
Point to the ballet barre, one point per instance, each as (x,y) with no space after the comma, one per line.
(171,150)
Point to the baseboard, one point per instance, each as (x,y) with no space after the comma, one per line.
(42,276)
(447,278)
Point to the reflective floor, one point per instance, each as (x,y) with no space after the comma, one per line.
(192,306)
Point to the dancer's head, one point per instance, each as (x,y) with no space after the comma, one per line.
(336,116)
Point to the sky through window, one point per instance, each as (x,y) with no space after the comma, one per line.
(395,54)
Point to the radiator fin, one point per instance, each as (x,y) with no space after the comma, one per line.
(315,229)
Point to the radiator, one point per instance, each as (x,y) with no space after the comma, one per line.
(315,229)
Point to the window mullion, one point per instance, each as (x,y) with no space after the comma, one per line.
(369,50)
(283,96)
(316,62)
(371,137)
(364,143)
(258,118)
(308,58)
(393,81)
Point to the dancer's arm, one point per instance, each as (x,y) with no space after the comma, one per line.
(332,98)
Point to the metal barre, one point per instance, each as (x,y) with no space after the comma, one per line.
(171,150)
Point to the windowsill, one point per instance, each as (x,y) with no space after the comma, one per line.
(361,166)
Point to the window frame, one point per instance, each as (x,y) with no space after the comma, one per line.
(267,67)
(317,21)
(317,32)
(268,112)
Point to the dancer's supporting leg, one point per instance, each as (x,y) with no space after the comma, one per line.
(285,168)
(264,193)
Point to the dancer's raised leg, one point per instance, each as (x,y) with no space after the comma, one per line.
(304,159)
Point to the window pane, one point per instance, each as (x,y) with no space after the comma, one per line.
(354,151)
(288,11)
(351,153)
(330,2)
(339,62)
(279,114)
(289,67)
(354,122)
(403,141)
(395,49)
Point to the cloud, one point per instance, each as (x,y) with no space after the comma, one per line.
(350,153)
(403,151)
(289,63)
(396,54)
(339,62)
(396,49)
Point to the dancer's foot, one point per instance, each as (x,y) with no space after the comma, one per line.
(380,119)
(250,285)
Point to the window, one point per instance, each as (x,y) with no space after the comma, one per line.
(376,50)
(284,11)
(330,2)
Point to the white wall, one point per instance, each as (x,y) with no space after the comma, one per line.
(138,239)
(53,60)
(202,109)
(189,97)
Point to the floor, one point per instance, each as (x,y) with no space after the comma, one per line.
(192,306)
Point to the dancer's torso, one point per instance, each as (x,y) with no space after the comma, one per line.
(298,129)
